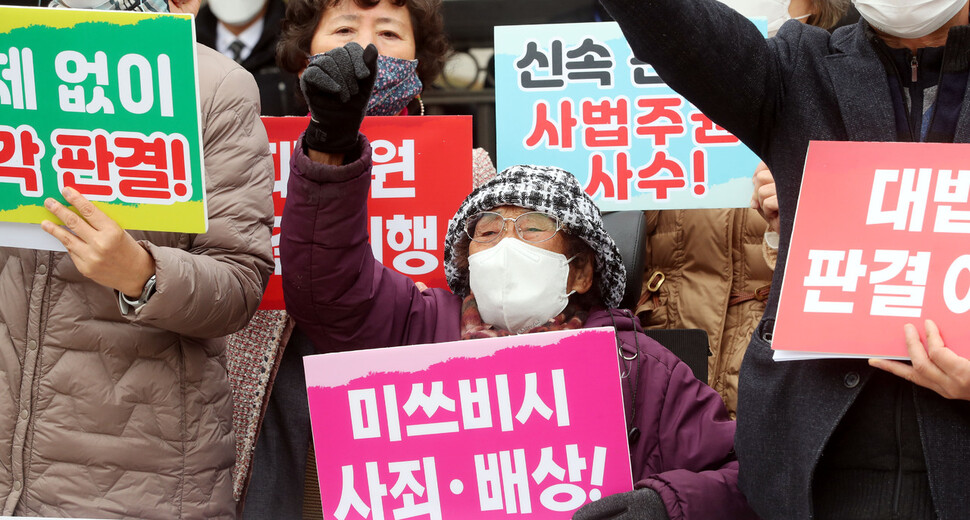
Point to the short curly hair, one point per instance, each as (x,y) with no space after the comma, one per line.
(303,16)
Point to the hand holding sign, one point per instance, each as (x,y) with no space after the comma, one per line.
(100,249)
(934,366)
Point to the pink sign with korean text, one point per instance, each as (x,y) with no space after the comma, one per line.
(529,425)
(879,240)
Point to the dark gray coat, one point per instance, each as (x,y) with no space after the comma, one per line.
(776,95)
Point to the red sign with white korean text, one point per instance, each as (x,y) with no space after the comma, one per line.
(879,240)
(422,172)
(526,426)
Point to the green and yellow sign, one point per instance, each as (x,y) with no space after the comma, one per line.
(105,102)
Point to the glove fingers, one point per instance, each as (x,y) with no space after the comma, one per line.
(365,63)
(319,76)
(333,69)
(369,60)
(344,60)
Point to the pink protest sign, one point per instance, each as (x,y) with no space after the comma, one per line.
(528,425)
(879,240)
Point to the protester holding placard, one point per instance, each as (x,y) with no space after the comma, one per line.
(410,38)
(525,252)
(711,268)
(115,396)
(832,438)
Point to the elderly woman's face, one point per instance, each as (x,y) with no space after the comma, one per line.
(385,25)
(580,280)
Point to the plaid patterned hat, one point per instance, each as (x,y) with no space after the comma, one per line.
(550,190)
(148,6)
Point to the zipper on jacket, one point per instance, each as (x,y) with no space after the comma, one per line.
(915,109)
(900,395)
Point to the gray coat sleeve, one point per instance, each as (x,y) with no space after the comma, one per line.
(714,57)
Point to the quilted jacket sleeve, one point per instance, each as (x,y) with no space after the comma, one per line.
(700,46)
(213,285)
(339,294)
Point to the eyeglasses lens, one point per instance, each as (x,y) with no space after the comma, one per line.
(536,227)
(533,226)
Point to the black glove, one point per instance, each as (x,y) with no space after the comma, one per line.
(639,504)
(337,85)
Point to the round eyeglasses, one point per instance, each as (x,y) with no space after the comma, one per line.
(534,226)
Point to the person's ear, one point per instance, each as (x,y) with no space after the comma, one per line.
(581,277)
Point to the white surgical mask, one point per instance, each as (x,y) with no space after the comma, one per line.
(908,18)
(518,286)
(236,12)
(776,11)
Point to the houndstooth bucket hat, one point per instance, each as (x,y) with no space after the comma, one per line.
(550,190)
(148,6)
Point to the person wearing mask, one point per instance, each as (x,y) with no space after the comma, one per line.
(530,227)
(409,36)
(706,268)
(832,438)
(248,31)
(115,396)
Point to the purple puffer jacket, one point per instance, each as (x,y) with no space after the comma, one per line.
(344,300)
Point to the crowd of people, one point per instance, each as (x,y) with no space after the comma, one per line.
(113,353)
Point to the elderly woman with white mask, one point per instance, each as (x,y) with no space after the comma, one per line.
(525,252)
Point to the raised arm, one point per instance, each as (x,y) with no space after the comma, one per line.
(710,54)
(332,284)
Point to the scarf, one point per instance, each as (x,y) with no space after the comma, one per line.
(472,326)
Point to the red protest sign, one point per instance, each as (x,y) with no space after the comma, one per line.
(878,241)
(422,172)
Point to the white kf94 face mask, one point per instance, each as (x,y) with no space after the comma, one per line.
(518,286)
(908,18)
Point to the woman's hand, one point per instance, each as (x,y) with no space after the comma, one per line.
(933,366)
(337,85)
(764,199)
(100,249)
